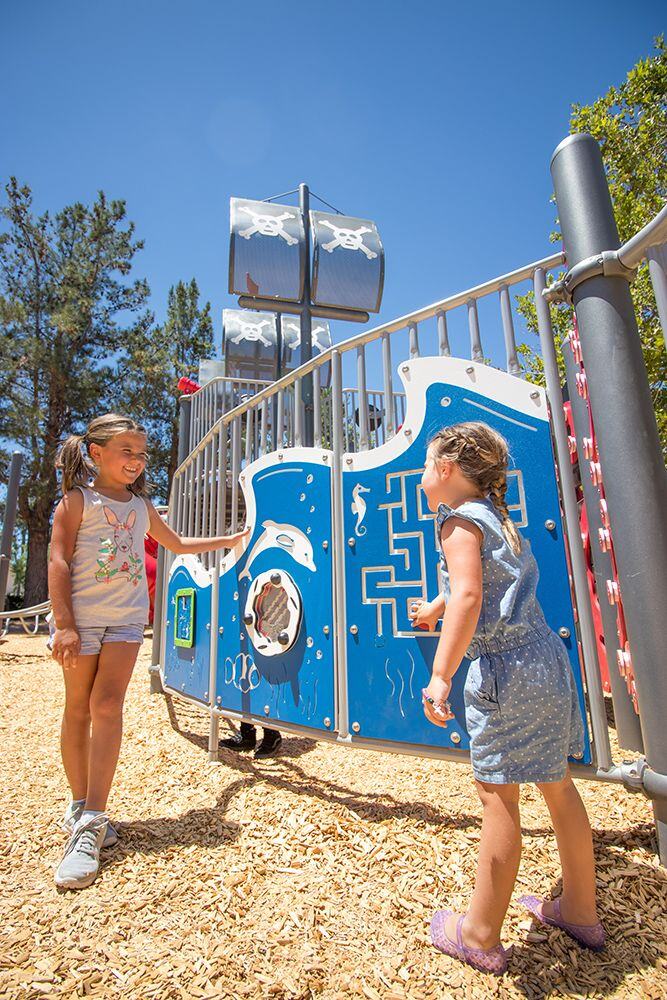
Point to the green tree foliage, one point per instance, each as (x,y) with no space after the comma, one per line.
(66,309)
(630,123)
(156,359)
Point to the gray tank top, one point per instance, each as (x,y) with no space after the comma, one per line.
(107,570)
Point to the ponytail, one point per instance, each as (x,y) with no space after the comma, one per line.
(497,491)
(76,468)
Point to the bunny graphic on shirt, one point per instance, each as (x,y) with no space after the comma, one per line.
(117,558)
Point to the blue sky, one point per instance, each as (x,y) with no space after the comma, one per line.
(437,120)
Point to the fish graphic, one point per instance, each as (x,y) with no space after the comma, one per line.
(282,536)
(358,507)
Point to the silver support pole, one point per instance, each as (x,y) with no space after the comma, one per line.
(626,434)
(602,748)
(184,418)
(11,503)
(513,366)
(198,495)
(389,421)
(249,435)
(338,548)
(443,337)
(364,423)
(298,415)
(628,729)
(414,340)
(214,718)
(657,266)
(221,521)
(476,352)
(264,428)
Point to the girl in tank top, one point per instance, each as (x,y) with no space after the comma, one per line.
(99,599)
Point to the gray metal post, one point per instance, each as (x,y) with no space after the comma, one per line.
(628,729)
(11,502)
(306,323)
(158,615)
(627,436)
(184,418)
(657,266)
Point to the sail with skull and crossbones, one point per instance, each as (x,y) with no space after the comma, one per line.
(348,262)
(267,250)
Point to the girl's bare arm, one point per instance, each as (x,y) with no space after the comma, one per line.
(168,538)
(66,521)
(461,546)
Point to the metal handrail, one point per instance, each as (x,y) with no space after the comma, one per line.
(653,234)
(363,339)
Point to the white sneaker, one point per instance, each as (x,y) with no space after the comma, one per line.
(73,814)
(81,860)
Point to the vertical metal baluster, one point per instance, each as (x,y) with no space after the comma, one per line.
(513,366)
(206,500)
(264,431)
(476,352)
(657,268)
(413,338)
(298,415)
(280,429)
(198,495)
(443,336)
(189,482)
(317,409)
(236,470)
(249,432)
(364,424)
(221,512)
(389,418)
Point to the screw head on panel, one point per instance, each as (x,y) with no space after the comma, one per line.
(327,722)
(266,710)
(221,630)
(206,694)
(280,456)
(455,738)
(325,544)
(208,626)
(535,394)
(326,630)
(351,542)
(283,638)
(168,623)
(275,579)
(356,727)
(550,524)
(578,756)
(445,401)
(407,432)
(353,629)
(248,619)
(219,700)
(349,460)
(325,458)
(310,641)
(470,370)
(564,632)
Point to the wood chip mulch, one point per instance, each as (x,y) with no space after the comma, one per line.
(311,875)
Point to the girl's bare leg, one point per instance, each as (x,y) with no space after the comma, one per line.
(575,847)
(116,662)
(75,728)
(497,866)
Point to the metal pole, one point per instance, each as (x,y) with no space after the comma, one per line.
(184,418)
(628,729)
(443,337)
(569,497)
(338,547)
(513,366)
(627,436)
(476,351)
(306,323)
(657,265)
(11,503)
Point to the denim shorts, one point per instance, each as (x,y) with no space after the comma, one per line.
(522,713)
(94,637)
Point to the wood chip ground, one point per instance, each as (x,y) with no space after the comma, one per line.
(311,875)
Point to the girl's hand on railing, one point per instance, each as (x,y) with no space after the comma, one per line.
(66,647)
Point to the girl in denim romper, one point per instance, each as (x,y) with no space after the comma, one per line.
(520,698)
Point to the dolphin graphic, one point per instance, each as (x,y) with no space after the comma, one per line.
(282,536)
(358,507)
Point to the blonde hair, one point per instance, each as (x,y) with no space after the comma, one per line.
(76,465)
(482,456)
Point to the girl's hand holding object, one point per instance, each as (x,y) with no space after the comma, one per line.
(434,702)
(66,647)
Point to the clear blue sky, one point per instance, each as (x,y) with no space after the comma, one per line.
(435,119)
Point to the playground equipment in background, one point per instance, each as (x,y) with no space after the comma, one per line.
(307,627)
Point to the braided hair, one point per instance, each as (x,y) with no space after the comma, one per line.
(74,462)
(482,455)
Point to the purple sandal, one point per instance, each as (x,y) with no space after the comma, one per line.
(492,960)
(589,935)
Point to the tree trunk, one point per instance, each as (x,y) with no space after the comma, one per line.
(36,582)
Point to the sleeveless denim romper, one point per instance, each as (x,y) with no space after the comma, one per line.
(522,710)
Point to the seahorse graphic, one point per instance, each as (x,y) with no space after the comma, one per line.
(358,507)
(117,557)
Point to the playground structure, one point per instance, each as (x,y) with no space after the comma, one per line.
(307,627)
